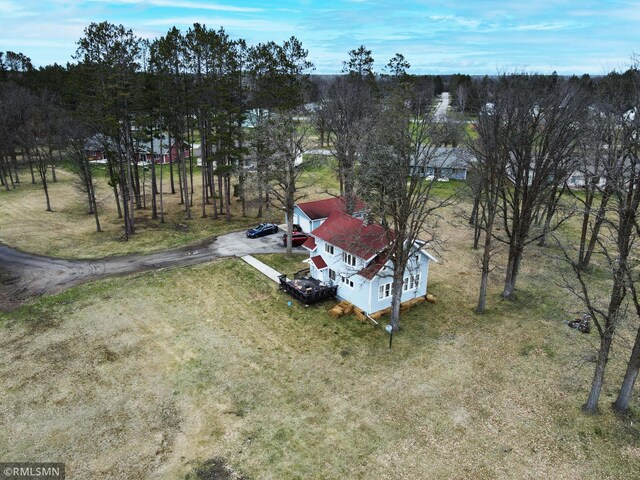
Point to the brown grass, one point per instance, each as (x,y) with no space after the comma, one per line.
(152,375)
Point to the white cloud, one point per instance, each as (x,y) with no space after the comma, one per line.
(541,27)
(194,5)
(455,21)
(11,9)
(248,25)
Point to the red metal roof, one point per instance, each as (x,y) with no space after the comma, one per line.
(353,235)
(323,208)
(310,243)
(319,262)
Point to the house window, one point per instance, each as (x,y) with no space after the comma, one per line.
(414,281)
(349,259)
(332,275)
(417,257)
(328,248)
(385,291)
(405,284)
(347,281)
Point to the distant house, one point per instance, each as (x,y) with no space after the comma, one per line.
(447,162)
(353,254)
(97,146)
(580,179)
(310,215)
(162,153)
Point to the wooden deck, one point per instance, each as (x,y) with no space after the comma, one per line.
(307,290)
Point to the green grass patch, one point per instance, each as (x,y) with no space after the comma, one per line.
(285,264)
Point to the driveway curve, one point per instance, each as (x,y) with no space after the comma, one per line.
(25,275)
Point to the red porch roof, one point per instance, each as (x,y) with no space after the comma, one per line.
(319,262)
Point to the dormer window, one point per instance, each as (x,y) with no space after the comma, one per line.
(349,259)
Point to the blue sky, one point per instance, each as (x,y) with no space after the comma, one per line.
(439,37)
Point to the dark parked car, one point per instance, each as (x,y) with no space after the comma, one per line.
(262,230)
(297,239)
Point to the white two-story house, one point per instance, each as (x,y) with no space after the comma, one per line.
(351,253)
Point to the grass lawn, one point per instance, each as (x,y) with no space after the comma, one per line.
(69,232)
(285,264)
(150,376)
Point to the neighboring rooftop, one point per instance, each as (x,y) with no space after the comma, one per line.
(99,141)
(450,157)
(319,209)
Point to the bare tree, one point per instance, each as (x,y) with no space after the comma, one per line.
(633,365)
(616,242)
(288,139)
(46,124)
(489,172)
(345,113)
(12,122)
(538,132)
(402,144)
(37,130)
(81,166)
(615,245)
(599,152)
(630,204)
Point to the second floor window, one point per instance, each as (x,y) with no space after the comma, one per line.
(328,248)
(349,259)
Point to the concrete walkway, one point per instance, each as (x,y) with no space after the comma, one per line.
(262,268)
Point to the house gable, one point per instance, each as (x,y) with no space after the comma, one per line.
(310,215)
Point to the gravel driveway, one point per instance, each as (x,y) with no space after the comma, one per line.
(24,275)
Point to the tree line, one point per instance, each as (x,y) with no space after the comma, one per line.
(547,150)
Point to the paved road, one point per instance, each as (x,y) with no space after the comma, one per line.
(443,106)
(24,275)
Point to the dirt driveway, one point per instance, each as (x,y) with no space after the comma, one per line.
(24,275)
